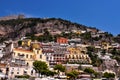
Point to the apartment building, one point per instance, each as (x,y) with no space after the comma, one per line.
(22,61)
(76,55)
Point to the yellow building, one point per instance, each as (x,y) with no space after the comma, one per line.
(26,42)
(27,57)
(106,45)
(77,55)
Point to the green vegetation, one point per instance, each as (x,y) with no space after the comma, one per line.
(117,38)
(115,54)
(47,37)
(33,21)
(59,68)
(29,24)
(23,76)
(19,43)
(109,75)
(34,26)
(40,67)
(108,35)
(89,70)
(103,52)
(48,73)
(72,75)
(92,72)
(96,38)
(86,36)
(94,57)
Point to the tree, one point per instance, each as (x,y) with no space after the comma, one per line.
(40,66)
(103,52)
(96,61)
(97,74)
(19,43)
(59,68)
(108,34)
(90,48)
(89,70)
(86,36)
(114,51)
(73,75)
(22,76)
(109,75)
(92,72)
(48,73)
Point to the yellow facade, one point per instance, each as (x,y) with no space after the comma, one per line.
(78,32)
(28,56)
(106,45)
(39,55)
(26,42)
(76,50)
(76,54)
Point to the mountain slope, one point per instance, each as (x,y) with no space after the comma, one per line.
(17,28)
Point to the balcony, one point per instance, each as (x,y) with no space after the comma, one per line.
(21,57)
(19,62)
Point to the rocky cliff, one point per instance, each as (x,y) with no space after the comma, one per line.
(17,28)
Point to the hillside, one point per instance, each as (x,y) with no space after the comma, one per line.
(17,28)
(100,43)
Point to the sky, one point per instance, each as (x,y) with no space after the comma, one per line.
(102,14)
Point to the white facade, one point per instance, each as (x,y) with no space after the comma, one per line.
(19,70)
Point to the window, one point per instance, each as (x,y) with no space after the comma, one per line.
(18,54)
(30,56)
(69,56)
(37,51)
(47,58)
(27,64)
(40,56)
(31,72)
(25,72)
(26,55)
(12,72)
(17,72)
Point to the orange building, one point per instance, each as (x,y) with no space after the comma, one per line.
(62,40)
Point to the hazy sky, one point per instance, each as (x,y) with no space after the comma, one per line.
(102,14)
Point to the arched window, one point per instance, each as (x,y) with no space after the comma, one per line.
(26,55)
(30,56)
(31,72)
(69,56)
(27,64)
(40,56)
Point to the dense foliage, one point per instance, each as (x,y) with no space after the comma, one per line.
(109,75)
(59,68)
(23,76)
(96,61)
(40,66)
(89,70)
(73,75)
